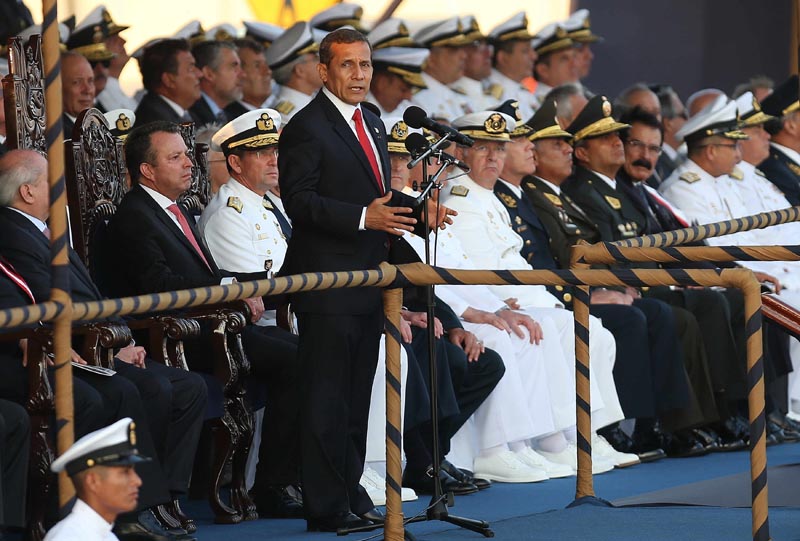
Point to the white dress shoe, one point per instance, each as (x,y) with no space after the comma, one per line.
(569,456)
(533,459)
(603,449)
(505,467)
(375,485)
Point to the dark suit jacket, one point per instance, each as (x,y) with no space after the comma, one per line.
(566,223)
(150,253)
(326,181)
(612,211)
(68,126)
(781,170)
(152,108)
(536,241)
(202,114)
(235,109)
(29,251)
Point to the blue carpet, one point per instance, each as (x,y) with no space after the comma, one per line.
(538,511)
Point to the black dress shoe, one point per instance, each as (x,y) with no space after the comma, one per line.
(277,502)
(422,482)
(335,522)
(465,476)
(145,527)
(187,523)
(684,444)
(790,428)
(618,439)
(648,444)
(707,437)
(374,514)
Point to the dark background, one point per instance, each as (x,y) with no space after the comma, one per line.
(690,44)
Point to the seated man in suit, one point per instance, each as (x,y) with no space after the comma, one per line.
(157,248)
(173,399)
(77,88)
(220,81)
(256,78)
(172,81)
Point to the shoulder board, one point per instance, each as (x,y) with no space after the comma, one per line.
(495,90)
(267,204)
(459,190)
(690,177)
(795,169)
(507,200)
(458,91)
(284,107)
(737,174)
(236,204)
(613,202)
(530,185)
(554,199)
(760,173)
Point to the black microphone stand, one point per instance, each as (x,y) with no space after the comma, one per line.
(440,501)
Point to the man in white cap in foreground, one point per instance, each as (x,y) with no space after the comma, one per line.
(100,465)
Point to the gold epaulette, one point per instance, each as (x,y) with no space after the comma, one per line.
(459,190)
(284,107)
(737,174)
(236,204)
(495,90)
(690,177)
(507,200)
(554,199)
(795,169)
(760,173)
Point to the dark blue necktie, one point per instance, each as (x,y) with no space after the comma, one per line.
(282,220)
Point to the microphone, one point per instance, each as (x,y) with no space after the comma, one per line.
(417,118)
(418,146)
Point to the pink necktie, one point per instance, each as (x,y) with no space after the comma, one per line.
(173,208)
(363,138)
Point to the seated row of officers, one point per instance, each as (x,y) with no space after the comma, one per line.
(675,364)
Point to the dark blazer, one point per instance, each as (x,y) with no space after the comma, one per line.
(536,241)
(326,181)
(612,211)
(566,223)
(235,109)
(202,114)
(664,168)
(29,251)
(781,170)
(152,108)
(149,253)
(68,125)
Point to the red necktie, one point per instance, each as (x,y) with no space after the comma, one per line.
(363,138)
(9,271)
(173,208)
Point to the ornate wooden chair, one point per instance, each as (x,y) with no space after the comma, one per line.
(96,184)
(23,91)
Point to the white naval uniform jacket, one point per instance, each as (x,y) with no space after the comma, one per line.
(440,101)
(515,90)
(82,524)
(243,234)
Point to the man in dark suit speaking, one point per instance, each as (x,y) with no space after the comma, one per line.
(334,178)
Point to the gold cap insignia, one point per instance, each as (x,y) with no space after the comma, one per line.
(265,123)
(495,123)
(106,16)
(606,107)
(402,29)
(97,36)
(132,433)
(123,122)
(560,33)
(613,202)
(358,13)
(400,131)
(90,462)
(222,35)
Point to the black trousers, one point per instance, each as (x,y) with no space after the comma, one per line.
(120,399)
(273,360)
(338,355)
(15,437)
(174,402)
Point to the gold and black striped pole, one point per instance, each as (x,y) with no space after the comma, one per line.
(54,139)
(393,527)
(584,484)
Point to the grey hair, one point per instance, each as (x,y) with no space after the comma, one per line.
(284,73)
(562,94)
(14,173)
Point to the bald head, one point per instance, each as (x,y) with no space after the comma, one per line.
(23,182)
(700,99)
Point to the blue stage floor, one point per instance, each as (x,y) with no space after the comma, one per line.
(538,511)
